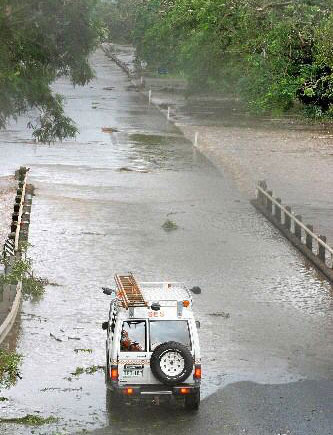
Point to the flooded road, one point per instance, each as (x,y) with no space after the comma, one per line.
(99,208)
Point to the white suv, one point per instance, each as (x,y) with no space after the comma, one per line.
(152,345)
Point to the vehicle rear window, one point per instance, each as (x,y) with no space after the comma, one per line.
(169,330)
(133,336)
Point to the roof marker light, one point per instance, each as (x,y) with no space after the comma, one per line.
(155,306)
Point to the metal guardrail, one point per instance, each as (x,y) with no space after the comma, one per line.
(266,198)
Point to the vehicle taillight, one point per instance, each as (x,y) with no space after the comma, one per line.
(128,391)
(114,373)
(197,371)
(184,391)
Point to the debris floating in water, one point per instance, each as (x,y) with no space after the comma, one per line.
(88,370)
(169,225)
(109,130)
(220,314)
(56,338)
(30,419)
(127,169)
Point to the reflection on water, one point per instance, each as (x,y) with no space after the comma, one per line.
(92,219)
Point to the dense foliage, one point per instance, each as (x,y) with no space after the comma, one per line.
(9,366)
(117,19)
(40,40)
(273,53)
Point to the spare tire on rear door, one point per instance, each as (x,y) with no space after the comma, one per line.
(171,363)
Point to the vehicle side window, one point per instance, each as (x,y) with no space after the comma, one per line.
(133,336)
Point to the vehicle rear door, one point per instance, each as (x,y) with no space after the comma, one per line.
(133,362)
(162,331)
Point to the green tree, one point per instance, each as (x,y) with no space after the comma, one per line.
(269,52)
(40,41)
(118,19)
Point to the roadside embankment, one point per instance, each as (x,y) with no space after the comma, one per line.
(13,247)
(294,157)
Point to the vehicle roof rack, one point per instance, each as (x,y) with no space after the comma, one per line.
(130,291)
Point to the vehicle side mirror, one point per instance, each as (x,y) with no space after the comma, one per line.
(196,290)
(105,325)
(107,291)
(197,324)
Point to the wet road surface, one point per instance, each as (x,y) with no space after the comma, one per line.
(100,204)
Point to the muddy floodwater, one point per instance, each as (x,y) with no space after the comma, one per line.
(291,153)
(101,201)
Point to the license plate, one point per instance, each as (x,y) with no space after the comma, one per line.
(131,370)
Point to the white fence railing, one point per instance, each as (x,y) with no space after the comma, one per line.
(266,199)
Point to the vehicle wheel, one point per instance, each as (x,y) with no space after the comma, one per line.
(192,402)
(171,363)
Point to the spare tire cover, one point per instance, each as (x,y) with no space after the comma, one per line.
(171,363)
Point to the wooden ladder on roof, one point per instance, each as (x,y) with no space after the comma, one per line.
(130,291)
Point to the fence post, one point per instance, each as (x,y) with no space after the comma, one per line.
(298,229)
(309,239)
(321,249)
(196,135)
(277,210)
(269,204)
(260,195)
(287,220)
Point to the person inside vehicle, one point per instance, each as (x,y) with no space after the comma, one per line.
(127,345)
